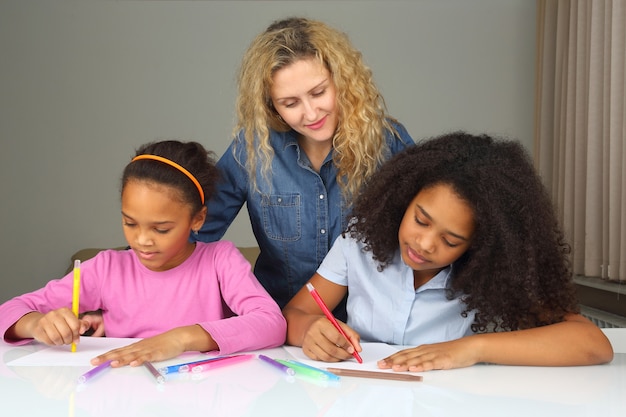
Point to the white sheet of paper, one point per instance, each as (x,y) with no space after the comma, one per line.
(87,349)
(372,353)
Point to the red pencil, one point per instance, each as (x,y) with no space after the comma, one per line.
(330,317)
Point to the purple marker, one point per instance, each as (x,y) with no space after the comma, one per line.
(276,364)
(93,372)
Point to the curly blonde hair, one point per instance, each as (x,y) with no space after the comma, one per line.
(359,142)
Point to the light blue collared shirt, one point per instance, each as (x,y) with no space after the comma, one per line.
(385,307)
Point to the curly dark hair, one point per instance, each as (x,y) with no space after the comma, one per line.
(190,155)
(516,273)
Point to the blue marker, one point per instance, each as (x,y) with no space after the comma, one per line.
(309,371)
(330,375)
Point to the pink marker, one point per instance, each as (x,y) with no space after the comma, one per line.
(212,364)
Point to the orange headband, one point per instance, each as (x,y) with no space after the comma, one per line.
(175,165)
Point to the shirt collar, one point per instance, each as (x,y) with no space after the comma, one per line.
(290,138)
(441,281)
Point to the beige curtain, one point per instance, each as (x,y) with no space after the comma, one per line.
(580,129)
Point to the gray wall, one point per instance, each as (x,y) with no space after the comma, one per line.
(83,83)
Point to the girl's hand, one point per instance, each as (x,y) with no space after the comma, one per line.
(160,347)
(95,322)
(157,348)
(447,355)
(323,342)
(58,327)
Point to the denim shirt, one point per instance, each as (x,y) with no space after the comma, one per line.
(296,216)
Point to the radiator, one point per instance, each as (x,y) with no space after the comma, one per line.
(603,319)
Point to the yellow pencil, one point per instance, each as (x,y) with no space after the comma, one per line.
(76,293)
(72,403)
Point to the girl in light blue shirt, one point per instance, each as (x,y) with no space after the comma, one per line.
(455,249)
(398,317)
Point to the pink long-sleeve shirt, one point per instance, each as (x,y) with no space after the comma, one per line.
(214,288)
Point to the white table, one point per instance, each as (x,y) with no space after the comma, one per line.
(255,389)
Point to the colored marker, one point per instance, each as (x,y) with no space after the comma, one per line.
(76,293)
(278,365)
(330,375)
(331,318)
(184,367)
(310,372)
(93,372)
(159,378)
(209,364)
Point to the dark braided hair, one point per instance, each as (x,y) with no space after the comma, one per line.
(516,272)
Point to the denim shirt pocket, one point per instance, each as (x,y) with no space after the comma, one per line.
(282,216)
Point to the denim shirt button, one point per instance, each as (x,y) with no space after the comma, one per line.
(280,200)
(323,231)
(321,196)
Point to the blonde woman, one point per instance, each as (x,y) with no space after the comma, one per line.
(312,129)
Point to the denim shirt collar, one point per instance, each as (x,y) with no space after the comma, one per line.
(290,138)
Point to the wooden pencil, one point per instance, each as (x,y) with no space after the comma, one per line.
(397,376)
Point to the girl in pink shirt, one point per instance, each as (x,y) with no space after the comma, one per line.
(177,295)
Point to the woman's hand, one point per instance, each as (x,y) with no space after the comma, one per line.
(323,342)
